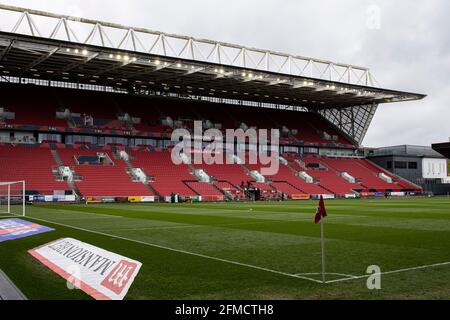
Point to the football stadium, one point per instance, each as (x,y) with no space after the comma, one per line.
(116,181)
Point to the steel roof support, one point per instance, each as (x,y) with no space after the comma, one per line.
(315,68)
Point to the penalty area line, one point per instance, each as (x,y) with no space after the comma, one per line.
(184,252)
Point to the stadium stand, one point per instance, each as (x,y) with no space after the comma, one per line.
(101,179)
(168,177)
(139,125)
(327,177)
(106,109)
(31,164)
(362,171)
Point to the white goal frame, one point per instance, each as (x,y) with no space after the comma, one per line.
(8,196)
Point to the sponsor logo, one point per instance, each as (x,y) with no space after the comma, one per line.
(11,229)
(102,274)
(117,280)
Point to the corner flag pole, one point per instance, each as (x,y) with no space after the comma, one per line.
(322,234)
(319,218)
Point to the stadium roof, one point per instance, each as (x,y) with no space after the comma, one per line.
(56,48)
(406,150)
(248,74)
(442,148)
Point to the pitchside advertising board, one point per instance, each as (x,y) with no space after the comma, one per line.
(11,229)
(101,274)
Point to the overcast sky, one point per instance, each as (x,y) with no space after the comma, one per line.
(405,43)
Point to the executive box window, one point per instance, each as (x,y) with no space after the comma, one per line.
(400,165)
(412,165)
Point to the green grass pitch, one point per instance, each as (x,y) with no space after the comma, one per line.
(251,250)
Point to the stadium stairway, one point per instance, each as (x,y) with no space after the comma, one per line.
(60,163)
(107,180)
(168,177)
(130,167)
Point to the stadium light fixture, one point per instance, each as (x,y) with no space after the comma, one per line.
(84,52)
(77,51)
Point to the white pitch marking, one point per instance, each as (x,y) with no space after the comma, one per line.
(184,252)
(328,273)
(298,276)
(435,265)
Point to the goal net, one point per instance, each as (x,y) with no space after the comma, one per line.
(12,198)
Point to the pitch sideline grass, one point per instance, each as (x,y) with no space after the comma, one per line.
(394,234)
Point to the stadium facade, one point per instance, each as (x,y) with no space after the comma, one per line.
(88,107)
(419,164)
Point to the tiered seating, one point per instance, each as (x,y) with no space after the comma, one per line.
(285,174)
(31,106)
(32,164)
(330,180)
(286,188)
(328,177)
(263,186)
(102,180)
(226,186)
(205,189)
(168,177)
(358,169)
(400,182)
(105,108)
(232,173)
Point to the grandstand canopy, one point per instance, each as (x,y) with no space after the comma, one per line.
(57,49)
(443,148)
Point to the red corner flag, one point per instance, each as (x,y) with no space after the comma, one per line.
(321,211)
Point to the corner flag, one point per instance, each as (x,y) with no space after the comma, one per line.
(320,217)
(321,211)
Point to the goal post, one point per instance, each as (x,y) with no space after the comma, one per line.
(12,198)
